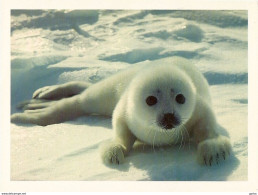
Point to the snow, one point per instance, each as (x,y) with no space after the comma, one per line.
(92,45)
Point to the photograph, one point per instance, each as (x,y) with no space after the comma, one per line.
(128,95)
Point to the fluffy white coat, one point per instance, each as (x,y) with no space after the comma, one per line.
(123,96)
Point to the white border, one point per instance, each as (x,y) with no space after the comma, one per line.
(80,186)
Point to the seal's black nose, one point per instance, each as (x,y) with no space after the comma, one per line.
(169,121)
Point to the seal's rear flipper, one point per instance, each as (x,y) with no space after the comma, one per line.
(57,92)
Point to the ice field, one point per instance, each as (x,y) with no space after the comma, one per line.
(54,47)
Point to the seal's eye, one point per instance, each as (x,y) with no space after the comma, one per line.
(151,100)
(180,99)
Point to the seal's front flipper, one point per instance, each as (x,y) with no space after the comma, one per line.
(213,151)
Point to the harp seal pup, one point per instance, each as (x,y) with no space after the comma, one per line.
(154,102)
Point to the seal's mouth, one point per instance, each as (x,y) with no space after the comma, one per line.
(168,126)
(168,121)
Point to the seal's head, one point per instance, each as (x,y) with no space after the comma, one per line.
(161,99)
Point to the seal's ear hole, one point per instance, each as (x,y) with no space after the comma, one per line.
(151,100)
(180,98)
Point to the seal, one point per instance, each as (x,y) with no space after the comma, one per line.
(155,102)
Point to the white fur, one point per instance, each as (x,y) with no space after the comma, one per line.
(141,118)
(124,96)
